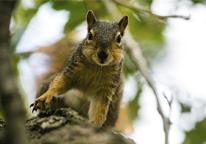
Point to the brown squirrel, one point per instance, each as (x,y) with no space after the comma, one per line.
(94,68)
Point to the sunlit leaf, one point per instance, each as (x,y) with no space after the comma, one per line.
(145,3)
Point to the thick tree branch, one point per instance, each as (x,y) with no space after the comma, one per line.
(65,126)
(128,5)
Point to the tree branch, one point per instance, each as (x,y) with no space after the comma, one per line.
(128,5)
(65,126)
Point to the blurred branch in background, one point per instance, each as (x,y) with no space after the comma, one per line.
(135,8)
(11,101)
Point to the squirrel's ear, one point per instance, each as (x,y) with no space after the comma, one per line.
(123,24)
(91,19)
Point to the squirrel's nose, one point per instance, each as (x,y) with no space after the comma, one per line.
(102,55)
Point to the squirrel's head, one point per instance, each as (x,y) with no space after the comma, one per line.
(104,44)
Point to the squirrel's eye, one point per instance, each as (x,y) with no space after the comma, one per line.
(90,36)
(118,40)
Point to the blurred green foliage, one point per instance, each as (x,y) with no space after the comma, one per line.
(147,30)
(129,67)
(185,108)
(196,135)
(78,10)
(133,105)
(199,1)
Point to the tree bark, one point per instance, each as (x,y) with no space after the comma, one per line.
(9,96)
(65,126)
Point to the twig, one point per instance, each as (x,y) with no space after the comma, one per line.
(135,51)
(167,120)
(169,101)
(128,5)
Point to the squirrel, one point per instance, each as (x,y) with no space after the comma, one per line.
(94,68)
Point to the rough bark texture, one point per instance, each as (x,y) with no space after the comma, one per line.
(65,126)
(2,130)
(10,99)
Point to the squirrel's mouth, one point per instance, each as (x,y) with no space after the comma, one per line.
(102,62)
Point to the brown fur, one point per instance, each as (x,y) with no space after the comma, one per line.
(98,79)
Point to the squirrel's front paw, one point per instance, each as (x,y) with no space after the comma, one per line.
(43,101)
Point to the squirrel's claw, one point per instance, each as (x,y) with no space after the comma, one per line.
(31,105)
(42,101)
(34,109)
(35,105)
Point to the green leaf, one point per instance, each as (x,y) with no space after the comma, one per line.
(78,11)
(199,1)
(133,105)
(196,135)
(185,108)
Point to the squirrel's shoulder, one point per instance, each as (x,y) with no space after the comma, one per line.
(78,49)
(77,53)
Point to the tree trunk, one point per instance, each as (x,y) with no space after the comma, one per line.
(9,96)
